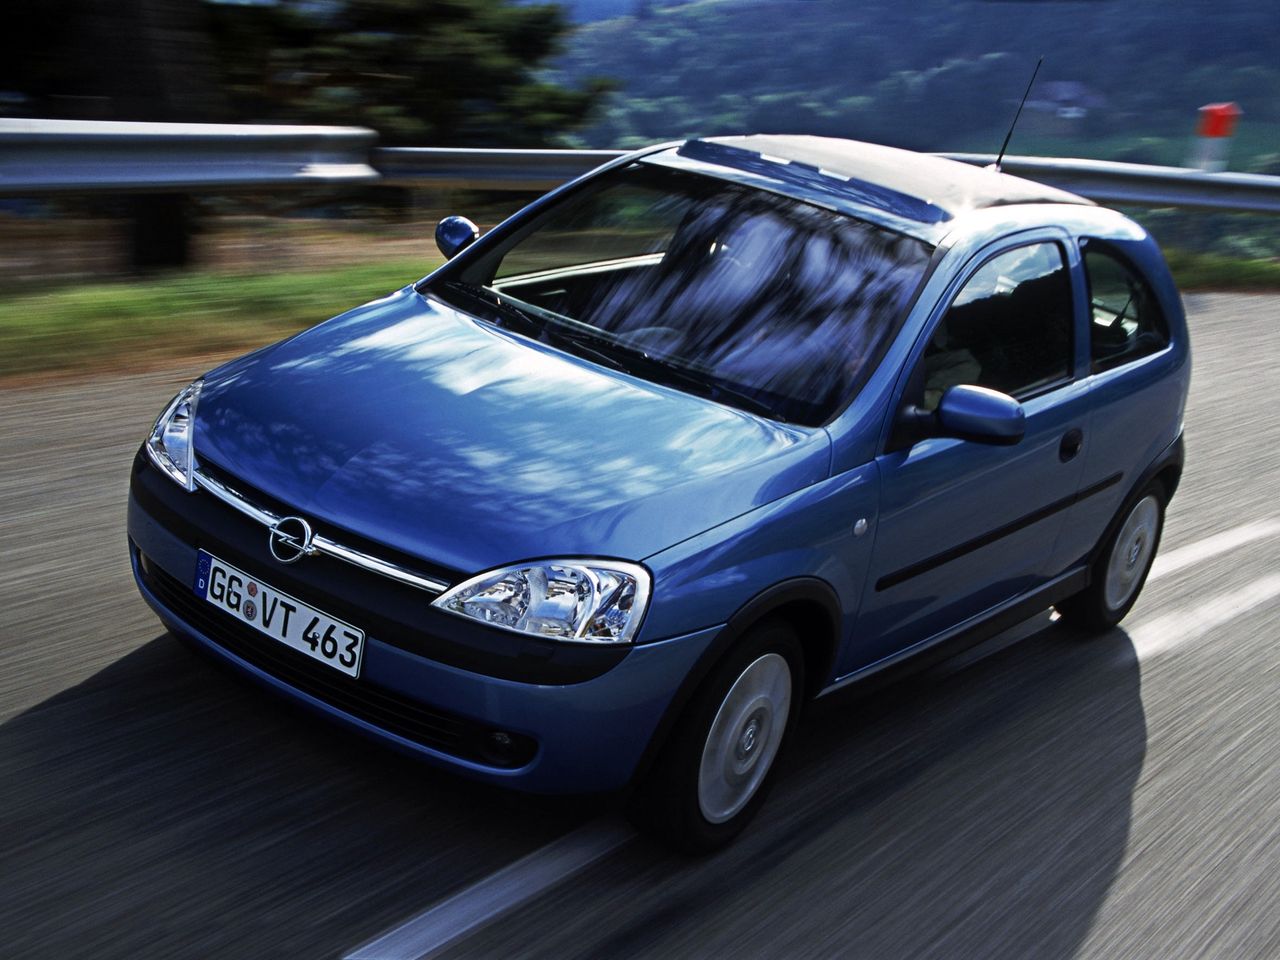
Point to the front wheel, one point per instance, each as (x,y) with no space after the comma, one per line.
(715,770)
(1120,572)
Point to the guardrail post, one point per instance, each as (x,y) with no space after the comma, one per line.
(160,232)
(1216,127)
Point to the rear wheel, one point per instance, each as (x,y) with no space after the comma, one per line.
(714,773)
(1120,572)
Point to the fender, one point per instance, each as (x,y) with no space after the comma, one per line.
(807,589)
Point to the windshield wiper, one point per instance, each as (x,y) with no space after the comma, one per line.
(539,328)
(708,386)
(626,360)
(583,348)
(512,317)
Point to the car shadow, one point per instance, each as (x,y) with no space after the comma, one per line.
(980,808)
(1007,784)
(165,807)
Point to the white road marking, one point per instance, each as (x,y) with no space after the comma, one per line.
(1219,543)
(449,921)
(1185,625)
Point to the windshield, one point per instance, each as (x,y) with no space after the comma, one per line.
(759,301)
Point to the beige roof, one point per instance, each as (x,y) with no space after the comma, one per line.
(948,184)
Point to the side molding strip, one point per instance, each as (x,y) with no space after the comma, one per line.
(956,552)
(970,633)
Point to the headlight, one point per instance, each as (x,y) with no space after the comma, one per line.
(583,601)
(170,445)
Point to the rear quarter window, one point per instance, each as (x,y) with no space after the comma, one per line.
(1125,319)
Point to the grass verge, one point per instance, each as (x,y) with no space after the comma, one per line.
(1212,271)
(133,323)
(130,324)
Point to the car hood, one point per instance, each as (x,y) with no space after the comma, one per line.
(421,427)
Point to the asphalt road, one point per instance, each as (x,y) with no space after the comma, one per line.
(1056,797)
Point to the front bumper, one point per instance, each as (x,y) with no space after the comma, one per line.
(582,736)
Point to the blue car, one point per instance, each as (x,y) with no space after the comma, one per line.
(719,428)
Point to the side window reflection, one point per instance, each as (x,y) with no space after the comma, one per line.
(1009,327)
(1125,319)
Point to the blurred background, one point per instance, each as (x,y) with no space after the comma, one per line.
(93,278)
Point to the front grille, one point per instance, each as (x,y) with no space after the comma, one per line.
(342,535)
(394,613)
(375,705)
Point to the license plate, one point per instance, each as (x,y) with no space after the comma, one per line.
(280,616)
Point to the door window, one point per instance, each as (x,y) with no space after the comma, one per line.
(1009,328)
(1126,321)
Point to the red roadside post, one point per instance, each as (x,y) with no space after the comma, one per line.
(1213,133)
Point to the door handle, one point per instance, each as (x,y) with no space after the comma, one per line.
(1072,443)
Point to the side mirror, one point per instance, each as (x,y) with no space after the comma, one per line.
(454,234)
(981,415)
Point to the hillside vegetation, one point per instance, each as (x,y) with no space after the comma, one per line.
(1121,79)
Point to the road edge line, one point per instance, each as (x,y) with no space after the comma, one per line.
(453,919)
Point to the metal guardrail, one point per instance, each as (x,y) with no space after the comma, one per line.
(1101,180)
(72,156)
(1145,186)
(485,169)
(78,156)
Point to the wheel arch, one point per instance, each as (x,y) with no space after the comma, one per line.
(1170,475)
(809,604)
(1166,469)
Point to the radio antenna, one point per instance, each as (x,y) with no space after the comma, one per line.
(1005,146)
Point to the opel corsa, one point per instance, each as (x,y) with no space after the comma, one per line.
(716,429)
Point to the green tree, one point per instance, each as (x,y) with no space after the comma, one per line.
(422,72)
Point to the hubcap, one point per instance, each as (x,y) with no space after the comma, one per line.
(1132,553)
(744,738)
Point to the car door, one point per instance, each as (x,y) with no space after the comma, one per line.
(964,526)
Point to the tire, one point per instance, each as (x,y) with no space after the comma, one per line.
(1120,571)
(716,768)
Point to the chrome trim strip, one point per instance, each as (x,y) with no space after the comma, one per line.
(233,499)
(319,544)
(390,570)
